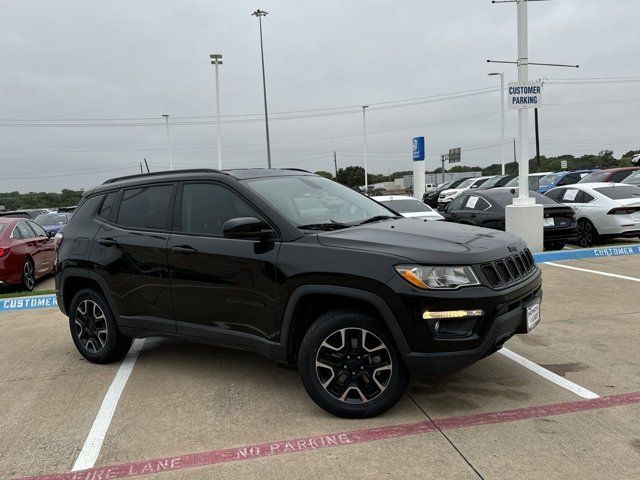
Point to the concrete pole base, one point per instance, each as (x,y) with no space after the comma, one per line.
(526,222)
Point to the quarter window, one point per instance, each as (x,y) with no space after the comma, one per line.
(23,231)
(39,231)
(107,206)
(146,208)
(205,207)
(476,203)
(456,203)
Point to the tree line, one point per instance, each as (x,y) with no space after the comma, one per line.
(353,176)
(16,200)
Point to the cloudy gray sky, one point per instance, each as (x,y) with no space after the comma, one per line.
(83,82)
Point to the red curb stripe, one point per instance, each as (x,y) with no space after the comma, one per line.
(250,452)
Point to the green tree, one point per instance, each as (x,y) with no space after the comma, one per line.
(352,176)
(324,174)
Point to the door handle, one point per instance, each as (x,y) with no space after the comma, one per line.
(107,242)
(184,250)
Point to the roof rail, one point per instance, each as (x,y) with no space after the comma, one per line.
(164,172)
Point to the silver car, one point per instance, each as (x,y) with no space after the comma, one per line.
(602,209)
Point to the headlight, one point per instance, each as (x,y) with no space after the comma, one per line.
(437,277)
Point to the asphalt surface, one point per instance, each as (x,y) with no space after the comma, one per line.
(495,420)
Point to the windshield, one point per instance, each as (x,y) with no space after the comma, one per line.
(619,192)
(466,183)
(311,200)
(595,177)
(550,179)
(406,205)
(492,182)
(52,219)
(533,182)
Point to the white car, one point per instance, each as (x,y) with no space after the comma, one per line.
(534,181)
(409,207)
(447,195)
(602,209)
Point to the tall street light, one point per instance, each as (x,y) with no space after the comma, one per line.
(364,141)
(166,118)
(216,59)
(501,116)
(261,13)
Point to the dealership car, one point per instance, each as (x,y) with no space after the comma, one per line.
(614,175)
(496,182)
(296,267)
(471,183)
(408,207)
(27,213)
(26,252)
(603,210)
(486,208)
(534,181)
(560,179)
(431,198)
(52,222)
(633,179)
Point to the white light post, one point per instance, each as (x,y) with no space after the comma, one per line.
(216,59)
(523,113)
(166,118)
(501,118)
(364,141)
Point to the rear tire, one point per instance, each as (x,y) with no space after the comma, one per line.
(350,365)
(94,330)
(28,275)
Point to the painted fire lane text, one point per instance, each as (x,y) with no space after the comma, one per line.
(300,445)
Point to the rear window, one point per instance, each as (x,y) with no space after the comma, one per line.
(146,208)
(619,192)
(595,177)
(406,205)
(52,219)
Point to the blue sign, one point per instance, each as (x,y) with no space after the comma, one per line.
(619,251)
(28,303)
(418,149)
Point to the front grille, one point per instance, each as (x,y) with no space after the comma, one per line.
(509,270)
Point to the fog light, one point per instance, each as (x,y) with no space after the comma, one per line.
(452,314)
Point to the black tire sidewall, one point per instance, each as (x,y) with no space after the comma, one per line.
(321,329)
(117,344)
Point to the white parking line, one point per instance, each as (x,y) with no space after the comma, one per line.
(552,377)
(92,445)
(597,272)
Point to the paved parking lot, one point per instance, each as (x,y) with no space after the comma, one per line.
(245,417)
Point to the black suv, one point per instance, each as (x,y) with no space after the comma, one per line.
(295,267)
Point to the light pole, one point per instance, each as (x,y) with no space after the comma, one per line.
(216,59)
(261,13)
(501,116)
(166,118)
(364,141)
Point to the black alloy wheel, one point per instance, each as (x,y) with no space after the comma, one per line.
(28,275)
(587,233)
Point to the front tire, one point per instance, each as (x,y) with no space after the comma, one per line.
(94,330)
(28,275)
(350,365)
(587,233)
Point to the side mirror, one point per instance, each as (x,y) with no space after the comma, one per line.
(51,234)
(246,228)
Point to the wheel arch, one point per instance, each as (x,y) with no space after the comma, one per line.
(308,302)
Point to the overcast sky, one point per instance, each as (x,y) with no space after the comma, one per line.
(70,70)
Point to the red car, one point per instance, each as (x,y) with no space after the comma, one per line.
(615,175)
(26,252)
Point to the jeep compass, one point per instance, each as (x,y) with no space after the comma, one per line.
(295,267)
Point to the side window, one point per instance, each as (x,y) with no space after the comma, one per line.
(107,206)
(476,203)
(584,197)
(146,208)
(569,179)
(39,231)
(24,231)
(570,195)
(556,194)
(456,203)
(206,207)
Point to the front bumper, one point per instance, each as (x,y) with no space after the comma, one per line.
(504,316)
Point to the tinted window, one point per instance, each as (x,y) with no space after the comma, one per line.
(456,203)
(146,207)
(476,203)
(570,195)
(405,205)
(206,207)
(619,176)
(24,231)
(107,206)
(568,179)
(619,192)
(595,177)
(584,197)
(550,179)
(38,230)
(52,219)
(556,194)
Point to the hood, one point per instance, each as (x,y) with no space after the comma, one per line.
(427,242)
(451,191)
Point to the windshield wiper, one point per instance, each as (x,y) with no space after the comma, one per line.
(324,226)
(377,218)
